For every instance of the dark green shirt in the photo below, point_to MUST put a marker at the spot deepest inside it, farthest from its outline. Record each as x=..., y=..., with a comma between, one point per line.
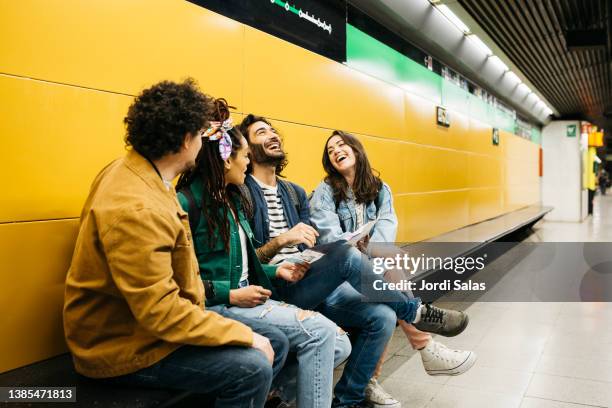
x=218, y=267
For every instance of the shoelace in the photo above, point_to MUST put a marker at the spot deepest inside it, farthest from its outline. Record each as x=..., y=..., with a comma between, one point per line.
x=433, y=314
x=379, y=391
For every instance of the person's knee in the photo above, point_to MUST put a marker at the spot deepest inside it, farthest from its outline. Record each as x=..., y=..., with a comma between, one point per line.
x=381, y=318
x=317, y=325
x=255, y=370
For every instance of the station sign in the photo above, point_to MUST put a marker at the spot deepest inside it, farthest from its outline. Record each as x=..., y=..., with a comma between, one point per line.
x=317, y=25
x=442, y=116
x=495, y=137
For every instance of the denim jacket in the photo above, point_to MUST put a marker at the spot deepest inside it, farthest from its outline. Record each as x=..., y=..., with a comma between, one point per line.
x=260, y=222
x=218, y=267
x=331, y=222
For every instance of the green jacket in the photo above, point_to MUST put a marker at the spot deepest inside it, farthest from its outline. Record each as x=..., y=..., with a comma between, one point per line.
x=218, y=268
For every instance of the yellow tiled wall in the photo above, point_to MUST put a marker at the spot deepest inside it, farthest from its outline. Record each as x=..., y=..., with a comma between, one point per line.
x=69, y=69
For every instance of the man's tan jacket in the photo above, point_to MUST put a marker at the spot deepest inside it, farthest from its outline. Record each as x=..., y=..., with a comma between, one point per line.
x=133, y=291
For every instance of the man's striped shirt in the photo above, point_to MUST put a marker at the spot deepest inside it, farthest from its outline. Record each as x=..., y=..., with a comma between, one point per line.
x=278, y=222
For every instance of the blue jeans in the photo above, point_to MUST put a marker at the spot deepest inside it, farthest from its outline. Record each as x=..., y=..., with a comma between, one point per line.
x=316, y=340
x=334, y=285
x=376, y=323
x=236, y=376
x=342, y=263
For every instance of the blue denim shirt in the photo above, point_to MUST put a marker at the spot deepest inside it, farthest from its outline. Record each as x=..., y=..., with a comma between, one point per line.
x=260, y=222
x=331, y=222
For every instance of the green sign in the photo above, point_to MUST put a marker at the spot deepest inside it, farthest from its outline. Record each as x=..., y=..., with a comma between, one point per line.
x=571, y=130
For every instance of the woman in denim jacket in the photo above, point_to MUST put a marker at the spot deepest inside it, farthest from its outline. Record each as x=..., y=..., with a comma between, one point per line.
x=350, y=196
x=236, y=282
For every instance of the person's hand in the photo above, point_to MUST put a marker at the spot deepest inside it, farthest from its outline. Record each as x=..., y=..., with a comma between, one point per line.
x=362, y=244
x=249, y=296
x=292, y=272
x=300, y=234
x=262, y=344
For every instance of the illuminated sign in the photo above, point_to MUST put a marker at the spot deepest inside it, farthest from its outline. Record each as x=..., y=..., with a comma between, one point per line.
x=303, y=14
x=317, y=25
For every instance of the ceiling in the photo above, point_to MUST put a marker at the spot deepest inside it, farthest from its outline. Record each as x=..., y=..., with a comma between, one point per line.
x=563, y=47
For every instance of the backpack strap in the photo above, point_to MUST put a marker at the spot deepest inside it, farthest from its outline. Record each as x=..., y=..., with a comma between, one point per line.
x=292, y=194
x=194, y=212
x=246, y=194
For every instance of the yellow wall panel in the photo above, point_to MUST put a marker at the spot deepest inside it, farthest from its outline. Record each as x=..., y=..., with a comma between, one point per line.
x=480, y=139
x=485, y=171
x=286, y=82
x=304, y=147
x=56, y=138
x=459, y=131
x=427, y=215
x=485, y=203
x=34, y=259
x=70, y=67
x=122, y=46
x=421, y=124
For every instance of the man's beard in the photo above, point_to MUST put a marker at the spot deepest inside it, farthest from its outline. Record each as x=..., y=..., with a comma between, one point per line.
x=259, y=156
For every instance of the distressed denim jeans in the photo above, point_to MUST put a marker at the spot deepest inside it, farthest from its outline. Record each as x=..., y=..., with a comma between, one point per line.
x=318, y=342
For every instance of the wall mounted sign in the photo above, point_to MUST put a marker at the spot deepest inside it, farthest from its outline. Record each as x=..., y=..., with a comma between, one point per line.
x=317, y=25
x=442, y=116
x=495, y=137
x=571, y=131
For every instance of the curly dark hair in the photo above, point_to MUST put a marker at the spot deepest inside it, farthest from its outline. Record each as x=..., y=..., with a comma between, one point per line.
x=367, y=182
x=161, y=116
x=210, y=171
x=244, y=129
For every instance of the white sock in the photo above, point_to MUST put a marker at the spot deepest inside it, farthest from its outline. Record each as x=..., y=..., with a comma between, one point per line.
x=417, y=318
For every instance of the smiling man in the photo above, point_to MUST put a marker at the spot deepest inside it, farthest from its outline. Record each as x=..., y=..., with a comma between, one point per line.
x=333, y=284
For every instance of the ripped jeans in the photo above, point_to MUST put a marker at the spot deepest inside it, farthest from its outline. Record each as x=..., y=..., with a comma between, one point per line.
x=319, y=343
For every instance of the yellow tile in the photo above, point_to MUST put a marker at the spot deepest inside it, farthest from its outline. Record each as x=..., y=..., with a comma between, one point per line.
x=485, y=203
x=34, y=259
x=122, y=46
x=423, y=216
x=56, y=139
x=284, y=81
x=304, y=146
x=485, y=171
x=421, y=124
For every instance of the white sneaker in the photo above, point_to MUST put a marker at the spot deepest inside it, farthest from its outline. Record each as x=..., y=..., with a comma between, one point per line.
x=377, y=397
x=440, y=360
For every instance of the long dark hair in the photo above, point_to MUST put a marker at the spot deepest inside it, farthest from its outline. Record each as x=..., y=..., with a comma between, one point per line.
x=366, y=184
x=210, y=171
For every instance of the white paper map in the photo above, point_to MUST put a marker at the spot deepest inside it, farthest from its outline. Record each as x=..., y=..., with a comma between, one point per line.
x=357, y=235
x=308, y=256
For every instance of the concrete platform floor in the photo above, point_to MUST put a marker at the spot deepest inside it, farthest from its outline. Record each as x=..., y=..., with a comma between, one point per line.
x=530, y=355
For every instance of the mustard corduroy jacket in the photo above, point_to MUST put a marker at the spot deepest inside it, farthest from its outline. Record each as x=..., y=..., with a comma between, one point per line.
x=133, y=292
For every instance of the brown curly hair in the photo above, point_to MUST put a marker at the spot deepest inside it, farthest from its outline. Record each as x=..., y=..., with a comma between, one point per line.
x=161, y=116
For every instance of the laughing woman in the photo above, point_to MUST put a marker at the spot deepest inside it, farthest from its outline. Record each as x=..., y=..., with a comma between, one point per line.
x=236, y=282
x=350, y=196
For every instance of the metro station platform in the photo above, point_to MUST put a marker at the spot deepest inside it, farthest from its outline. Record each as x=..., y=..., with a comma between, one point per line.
x=530, y=354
